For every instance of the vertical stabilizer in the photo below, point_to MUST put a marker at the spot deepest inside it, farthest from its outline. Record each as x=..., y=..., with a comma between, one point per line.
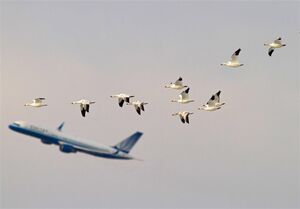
x=127, y=144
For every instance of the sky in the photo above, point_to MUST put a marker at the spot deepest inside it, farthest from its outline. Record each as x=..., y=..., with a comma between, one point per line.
x=245, y=155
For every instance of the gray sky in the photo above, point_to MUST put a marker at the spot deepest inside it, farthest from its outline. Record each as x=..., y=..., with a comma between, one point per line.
x=245, y=155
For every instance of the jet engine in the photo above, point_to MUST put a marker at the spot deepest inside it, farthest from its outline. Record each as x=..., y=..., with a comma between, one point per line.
x=45, y=141
x=66, y=148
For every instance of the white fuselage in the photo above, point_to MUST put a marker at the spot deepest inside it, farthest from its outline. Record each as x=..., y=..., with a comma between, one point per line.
x=74, y=144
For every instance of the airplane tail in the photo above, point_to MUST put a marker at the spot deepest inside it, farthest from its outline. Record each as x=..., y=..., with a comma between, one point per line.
x=127, y=144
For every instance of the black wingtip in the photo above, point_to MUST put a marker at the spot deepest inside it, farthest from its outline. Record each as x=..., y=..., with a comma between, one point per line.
x=238, y=52
x=270, y=52
x=187, y=90
x=218, y=93
x=180, y=78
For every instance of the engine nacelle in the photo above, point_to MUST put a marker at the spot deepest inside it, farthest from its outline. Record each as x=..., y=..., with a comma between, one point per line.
x=44, y=141
x=66, y=148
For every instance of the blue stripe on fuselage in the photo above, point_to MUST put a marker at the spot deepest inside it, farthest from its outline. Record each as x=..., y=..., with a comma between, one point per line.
x=55, y=140
x=33, y=133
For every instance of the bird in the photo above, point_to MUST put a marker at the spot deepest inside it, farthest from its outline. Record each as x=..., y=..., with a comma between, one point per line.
x=37, y=102
x=138, y=105
x=213, y=103
x=121, y=98
x=84, y=105
x=234, y=60
x=183, y=97
x=275, y=44
x=177, y=85
x=184, y=116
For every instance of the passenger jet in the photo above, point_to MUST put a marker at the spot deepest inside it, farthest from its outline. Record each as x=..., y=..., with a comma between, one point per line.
x=69, y=144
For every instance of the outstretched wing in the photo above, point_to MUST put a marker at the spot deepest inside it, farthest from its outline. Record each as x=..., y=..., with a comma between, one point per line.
x=178, y=82
x=235, y=55
x=38, y=100
x=182, y=118
x=137, y=108
x=270, y=52
x=278, y=40
x=187, y=118
x=82, y=110
x=121, y=102
x=217, y=96
x=212, y=101
x=185, y=94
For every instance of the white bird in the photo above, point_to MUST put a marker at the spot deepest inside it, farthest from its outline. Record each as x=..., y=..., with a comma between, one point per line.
x=213, y=104
x=138, y=105
x=234, y=60
x=177, y=85
x=122, y=98
x=84, y=105
x=184, y=116
x=183, y=97
x=275, y=44
x=37, y=102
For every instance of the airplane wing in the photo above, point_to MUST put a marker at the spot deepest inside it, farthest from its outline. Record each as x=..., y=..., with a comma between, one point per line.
x=70, y=148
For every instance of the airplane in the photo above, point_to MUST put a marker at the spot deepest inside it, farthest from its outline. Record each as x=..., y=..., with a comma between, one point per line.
x=69, y=144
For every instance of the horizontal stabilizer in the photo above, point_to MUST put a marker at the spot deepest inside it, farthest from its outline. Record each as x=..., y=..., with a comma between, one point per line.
x=59, y=128
x=127, y=144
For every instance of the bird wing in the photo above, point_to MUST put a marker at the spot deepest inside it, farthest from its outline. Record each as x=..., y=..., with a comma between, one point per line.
x=137, y=108
x=38, y=100
x=142, y=107
x=87, y=107
x=120, y=101
x=217, y=96
x=185, y=94
x=82, y=110
x=271, y=50
x=278, y=40
x=187, y=118
x=212, y=101
x=127, y=99
x=235, y=55
x=181, y=118
x=178, y=82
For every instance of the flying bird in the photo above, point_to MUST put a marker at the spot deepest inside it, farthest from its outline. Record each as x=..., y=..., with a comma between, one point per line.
x=138, y=105
x=122, y=98
x=183, y=97
x=213, y=103
x=234, y=60
x=275, y=44
x=177, y=85
x=84, y=105
x=184, y=116
x=37, y=102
